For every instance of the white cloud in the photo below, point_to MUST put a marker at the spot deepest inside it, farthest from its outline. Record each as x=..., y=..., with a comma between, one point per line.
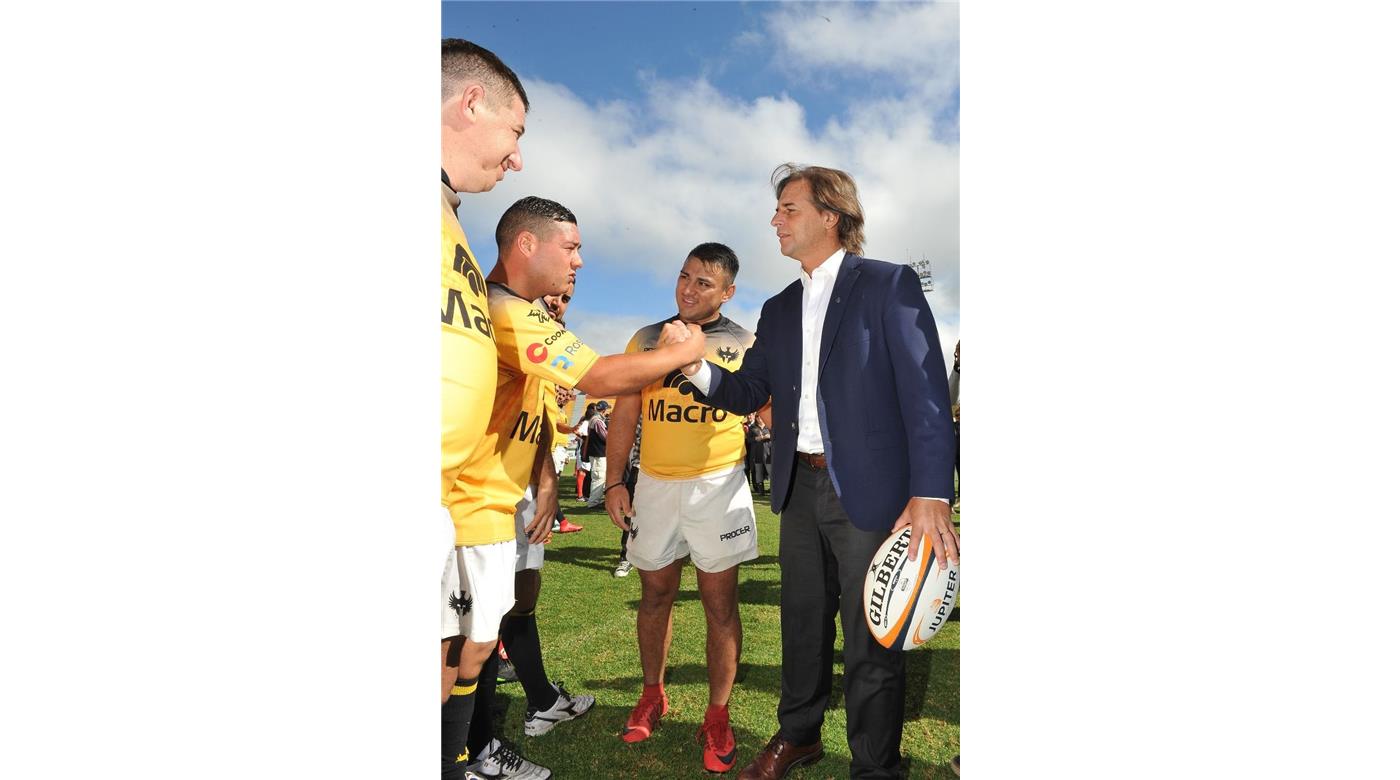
x=914, y=42
x=606, y=334
x=686, y=163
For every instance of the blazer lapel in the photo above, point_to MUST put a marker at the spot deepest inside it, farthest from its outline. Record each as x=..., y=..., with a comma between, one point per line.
x=790, y=334
x=836, y=307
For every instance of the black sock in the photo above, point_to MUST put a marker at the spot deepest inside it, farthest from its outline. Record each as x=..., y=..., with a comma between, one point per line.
x=456, y=721
x=483, y=726
x=521, y=635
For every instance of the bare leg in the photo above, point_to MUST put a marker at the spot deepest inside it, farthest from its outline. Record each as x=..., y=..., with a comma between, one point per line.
x=654, y=619
x=724, y=634
x=474, y=655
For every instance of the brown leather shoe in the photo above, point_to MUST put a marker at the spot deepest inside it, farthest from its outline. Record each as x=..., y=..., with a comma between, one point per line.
x=779, y=757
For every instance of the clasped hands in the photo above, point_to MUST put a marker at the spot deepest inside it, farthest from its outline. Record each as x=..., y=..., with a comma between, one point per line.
x=677, y=332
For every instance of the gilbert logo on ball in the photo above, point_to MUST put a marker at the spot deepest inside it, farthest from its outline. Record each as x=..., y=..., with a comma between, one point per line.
x=908, y=601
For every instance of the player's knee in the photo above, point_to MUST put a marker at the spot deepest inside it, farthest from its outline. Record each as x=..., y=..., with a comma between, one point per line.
x=721, y=611
x=452, y=651
x=656, y=596
x=527, y=592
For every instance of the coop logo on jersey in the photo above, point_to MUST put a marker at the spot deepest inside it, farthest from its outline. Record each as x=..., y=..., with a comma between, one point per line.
x=536, y=353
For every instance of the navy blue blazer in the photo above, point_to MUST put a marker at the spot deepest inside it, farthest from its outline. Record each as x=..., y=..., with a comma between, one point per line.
x=882, y=392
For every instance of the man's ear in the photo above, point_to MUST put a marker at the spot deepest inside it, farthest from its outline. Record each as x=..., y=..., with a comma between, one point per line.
x=729, y=293
x=473, y=99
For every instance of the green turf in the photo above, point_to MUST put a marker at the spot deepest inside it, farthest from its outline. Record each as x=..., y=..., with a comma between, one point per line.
x=587, y=622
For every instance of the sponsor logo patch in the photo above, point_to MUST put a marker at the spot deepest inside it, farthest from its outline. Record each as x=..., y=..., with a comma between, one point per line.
x=727, y=355
x=536, y=352
x=460, y=602
x=735, y=532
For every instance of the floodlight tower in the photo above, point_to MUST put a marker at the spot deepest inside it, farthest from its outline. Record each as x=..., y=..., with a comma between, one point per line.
x=921, y=267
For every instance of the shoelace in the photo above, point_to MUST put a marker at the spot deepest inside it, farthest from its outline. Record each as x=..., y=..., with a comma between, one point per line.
x=508, y=758
x=712, y=732
x=645, y=707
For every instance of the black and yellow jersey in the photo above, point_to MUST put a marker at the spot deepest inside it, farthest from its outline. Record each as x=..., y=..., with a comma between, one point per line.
x=681, y=437
x=532, y=352
x=468, y=352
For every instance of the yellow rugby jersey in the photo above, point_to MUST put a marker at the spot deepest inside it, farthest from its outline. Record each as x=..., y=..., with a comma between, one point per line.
x=531, y=352
x=468, y=352
x=681, y=437
x=554, y=414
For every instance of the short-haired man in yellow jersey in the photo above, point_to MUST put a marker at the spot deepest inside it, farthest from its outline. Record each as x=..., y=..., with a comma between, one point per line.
x=483, y=117
x=538, y=244
x=692, y=498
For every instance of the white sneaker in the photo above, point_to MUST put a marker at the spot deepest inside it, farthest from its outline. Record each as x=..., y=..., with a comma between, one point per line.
x=499, y=761
x=566, y=707
x=623, y=567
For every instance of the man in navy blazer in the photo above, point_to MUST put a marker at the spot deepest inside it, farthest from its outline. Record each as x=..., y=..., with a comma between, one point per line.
x=862, y=445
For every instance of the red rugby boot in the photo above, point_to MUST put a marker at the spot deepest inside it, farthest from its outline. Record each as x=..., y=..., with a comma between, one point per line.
x=644, y=716
x=720, y=751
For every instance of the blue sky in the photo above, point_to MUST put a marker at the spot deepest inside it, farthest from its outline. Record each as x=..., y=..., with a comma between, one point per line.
x=658, y=124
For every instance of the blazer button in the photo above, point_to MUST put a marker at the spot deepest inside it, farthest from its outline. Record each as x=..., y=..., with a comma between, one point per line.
x=794, y=426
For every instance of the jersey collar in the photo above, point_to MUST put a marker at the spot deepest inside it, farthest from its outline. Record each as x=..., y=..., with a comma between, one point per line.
x=719, y=323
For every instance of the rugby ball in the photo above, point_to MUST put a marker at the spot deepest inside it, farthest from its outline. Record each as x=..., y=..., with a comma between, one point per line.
x=908, y=601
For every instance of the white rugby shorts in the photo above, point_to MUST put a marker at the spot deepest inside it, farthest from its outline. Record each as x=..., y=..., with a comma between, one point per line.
x=709, y=518
x=478, y=589
x=527, y=556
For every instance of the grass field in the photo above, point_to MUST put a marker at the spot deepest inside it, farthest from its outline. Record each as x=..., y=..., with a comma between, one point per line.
x=587, y=622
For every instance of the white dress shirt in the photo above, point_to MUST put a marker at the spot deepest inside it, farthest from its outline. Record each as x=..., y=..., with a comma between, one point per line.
x=816, y=296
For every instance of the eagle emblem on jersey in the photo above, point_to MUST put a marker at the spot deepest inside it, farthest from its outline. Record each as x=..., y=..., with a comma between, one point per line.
x=727, y=355
x=461, y=603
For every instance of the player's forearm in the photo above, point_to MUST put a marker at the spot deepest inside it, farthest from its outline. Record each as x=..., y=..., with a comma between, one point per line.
x=629, y=373
x=544, y=464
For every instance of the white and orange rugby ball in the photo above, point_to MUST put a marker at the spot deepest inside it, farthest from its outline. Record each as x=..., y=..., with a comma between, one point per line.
x=908, y=601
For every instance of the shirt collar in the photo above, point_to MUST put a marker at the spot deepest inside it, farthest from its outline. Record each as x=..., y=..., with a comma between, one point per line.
x=449, y=193
x=719, y=323
x=826, y=271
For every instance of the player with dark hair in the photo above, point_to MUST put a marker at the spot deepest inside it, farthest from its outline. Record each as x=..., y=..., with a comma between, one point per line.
x=692, y=499
x=538, y=257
